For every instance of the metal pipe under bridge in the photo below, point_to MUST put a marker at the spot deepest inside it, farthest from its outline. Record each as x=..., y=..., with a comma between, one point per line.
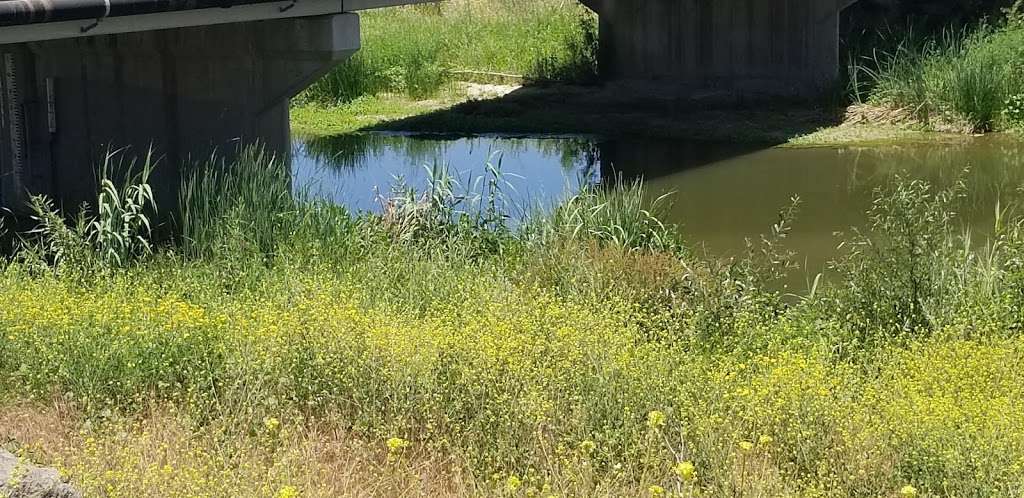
x=189, y=77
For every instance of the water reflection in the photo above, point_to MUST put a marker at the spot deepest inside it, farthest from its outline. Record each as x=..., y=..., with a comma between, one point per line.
x=724, y=193
x=354, y=170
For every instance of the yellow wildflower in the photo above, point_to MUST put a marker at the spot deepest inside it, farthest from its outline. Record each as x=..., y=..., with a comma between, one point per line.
x=396, y=444
x=271, y=424
x=656, y=491
x=908, y=491
x=656, y=419
x=513, y=483
x=686, y=471
x=288, y=492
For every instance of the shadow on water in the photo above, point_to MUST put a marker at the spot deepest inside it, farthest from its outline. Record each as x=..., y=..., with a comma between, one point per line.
x=724, y=193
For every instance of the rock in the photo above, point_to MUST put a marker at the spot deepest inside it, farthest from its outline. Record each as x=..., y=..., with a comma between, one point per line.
x=18, y=479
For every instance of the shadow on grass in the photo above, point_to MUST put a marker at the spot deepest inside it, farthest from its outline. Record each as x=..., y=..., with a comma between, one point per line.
x=646, y=131
x=622, y=110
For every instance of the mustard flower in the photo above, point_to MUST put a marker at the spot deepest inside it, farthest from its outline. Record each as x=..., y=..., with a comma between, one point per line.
x=396, y=444
x=656, y=419
x=686, y=471
x=513, y=483
x=288, y=492
x=271, y=424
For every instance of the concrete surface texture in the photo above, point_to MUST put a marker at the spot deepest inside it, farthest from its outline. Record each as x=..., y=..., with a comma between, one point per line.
x=185, y=92
x=751, y=47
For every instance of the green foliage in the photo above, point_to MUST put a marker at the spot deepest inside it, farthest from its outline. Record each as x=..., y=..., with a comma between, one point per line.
x=620, y=214
x=1013, y=111
x=116, y=235
x=575, y=60
x=891, y=278
x=120, y=232
x=1015, y=13
x=966, y=79
x=243, y=206
x=419, y=50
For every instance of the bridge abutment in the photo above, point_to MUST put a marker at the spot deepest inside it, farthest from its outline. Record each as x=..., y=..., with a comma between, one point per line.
x=748, y=48
x=185, y=92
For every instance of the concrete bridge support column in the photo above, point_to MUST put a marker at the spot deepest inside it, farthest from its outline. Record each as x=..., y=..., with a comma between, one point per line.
x=186, y=92
x=744, y=47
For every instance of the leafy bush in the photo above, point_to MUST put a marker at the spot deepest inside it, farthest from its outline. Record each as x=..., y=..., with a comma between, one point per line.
x=892, y=274
x=1013, y=110
x=575, y=61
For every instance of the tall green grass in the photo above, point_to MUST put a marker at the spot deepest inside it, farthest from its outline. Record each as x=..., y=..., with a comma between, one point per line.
x=965, y=79
x=419, y=50
x=247, y=202
x=621, y=214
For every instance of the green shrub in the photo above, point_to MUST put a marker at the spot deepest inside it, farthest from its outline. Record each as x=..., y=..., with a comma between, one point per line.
x=574, y=61
x=892, y=279
x=965, y=78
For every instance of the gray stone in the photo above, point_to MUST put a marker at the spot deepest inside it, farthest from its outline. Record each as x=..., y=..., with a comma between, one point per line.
x=19, y=479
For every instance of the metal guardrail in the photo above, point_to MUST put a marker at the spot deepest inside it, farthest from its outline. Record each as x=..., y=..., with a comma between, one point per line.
x=20, y=12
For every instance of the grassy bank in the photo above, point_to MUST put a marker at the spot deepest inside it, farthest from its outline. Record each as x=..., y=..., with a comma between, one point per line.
x=289, y=349
x=419, y=51
x=970, y=80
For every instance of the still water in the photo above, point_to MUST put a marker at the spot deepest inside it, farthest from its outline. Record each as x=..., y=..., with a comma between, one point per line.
x=723, y=194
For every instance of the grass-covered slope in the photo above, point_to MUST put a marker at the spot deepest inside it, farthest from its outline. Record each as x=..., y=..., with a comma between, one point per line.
x=288, y=349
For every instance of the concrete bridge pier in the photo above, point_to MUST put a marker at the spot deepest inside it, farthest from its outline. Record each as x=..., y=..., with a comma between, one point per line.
x=187, y=92
x=746, y=48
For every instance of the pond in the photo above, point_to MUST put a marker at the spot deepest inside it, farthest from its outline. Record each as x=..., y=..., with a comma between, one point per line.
x=722, y=194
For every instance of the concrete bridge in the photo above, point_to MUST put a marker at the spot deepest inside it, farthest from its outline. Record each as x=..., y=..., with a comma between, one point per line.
x=772, y=48
x=189, y=77
x=193, y=76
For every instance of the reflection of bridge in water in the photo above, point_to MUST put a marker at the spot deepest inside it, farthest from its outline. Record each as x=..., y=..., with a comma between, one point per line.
x=191, y=77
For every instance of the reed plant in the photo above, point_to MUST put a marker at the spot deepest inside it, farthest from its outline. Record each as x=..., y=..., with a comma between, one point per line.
x=621, y=213
x=248, y=201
